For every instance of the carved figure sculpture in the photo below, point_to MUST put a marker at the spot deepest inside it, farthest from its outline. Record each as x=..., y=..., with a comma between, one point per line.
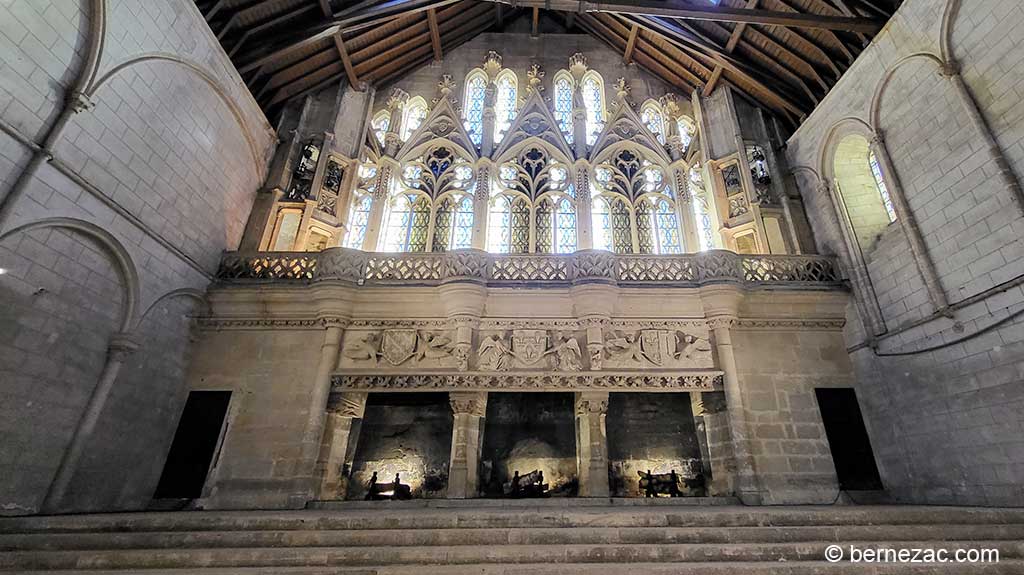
x=494, y=354
x=460, y=352
x=364, y=347
x=596, y=355
x=567, y=354
x=623, y=347
x=692, y=347
x=432, y=345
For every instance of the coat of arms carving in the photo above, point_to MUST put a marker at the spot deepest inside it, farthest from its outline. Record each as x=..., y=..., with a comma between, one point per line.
x=398, y=345
x=529, y=345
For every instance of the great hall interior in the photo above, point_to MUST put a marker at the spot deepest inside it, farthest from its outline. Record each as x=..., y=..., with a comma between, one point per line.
x=471, y=286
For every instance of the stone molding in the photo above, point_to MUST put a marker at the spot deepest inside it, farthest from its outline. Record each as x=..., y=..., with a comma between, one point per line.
x=702, y=380
x=585, y=266
x=273, y=323
x=468, y=403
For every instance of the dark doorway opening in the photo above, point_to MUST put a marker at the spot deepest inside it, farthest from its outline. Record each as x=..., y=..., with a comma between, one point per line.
x=194, y=444
x=848, y=439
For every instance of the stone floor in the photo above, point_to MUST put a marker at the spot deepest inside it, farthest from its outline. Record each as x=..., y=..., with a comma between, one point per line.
x=537, y=537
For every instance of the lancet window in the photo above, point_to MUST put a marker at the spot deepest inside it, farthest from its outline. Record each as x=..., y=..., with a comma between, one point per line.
x=686, y=129
x=445, y=179
x=415, y=113
x=532, y=196
x=563, y=86
x=380, y=124
x=473, y=110
x=593, y=99
x=652, y=117
x=505, y=103
x=701, y=209
x=636, y=202
x=883, y=191
x=408, y=223
x=362, y=203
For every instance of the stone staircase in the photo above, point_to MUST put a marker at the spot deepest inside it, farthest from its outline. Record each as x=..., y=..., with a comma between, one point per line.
x=511, y=537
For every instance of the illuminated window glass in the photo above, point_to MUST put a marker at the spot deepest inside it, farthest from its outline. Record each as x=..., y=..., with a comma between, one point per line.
x=545, y=229
x=462, y=224
x=666, y=227
x=520, y=241
x=504, y=104
x=408, y=222
x=443, y=224
x=565, y=227
x=651, y=117
x=380, y=124
x=602, y=224
x=358, y=219
x=563, y=106
x=876, y=170
x=499, y=225
x=593, y=100
x=685, y=127
x=476, y=88
x=415, y=113
x=644, y=230
x=701, y=210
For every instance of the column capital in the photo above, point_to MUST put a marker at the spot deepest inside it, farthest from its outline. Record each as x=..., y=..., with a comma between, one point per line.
x=80, y=102
x=349, y=404
x=468, y=402
x=591, y=403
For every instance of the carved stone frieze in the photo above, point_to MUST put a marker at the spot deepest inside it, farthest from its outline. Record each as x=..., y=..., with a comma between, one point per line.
x=656, y=348
x=397, y=347
x=694, y=381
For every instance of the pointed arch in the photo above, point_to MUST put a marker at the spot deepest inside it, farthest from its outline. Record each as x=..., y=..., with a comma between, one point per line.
x=592, y=87
x=506, y=101
x=563, y=86
x=380, y=124
x=687, y=129
x=473, y=104
x=653, y=117
x=413, y=115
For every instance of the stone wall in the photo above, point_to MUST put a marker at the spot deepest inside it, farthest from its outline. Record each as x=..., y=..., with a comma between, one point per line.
x=942, y=395
x=118, y=233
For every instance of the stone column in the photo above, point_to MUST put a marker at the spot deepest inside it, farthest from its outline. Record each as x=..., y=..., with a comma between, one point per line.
x=710, y=406
x=584, y=218
x=118, y=349
x=684, y=208
x=385, y=171
x=312, y=433
x=340, y=435
x=747, y=488
x=577, y=68
x=481, y=197
x=592, y=443
x=469, y=409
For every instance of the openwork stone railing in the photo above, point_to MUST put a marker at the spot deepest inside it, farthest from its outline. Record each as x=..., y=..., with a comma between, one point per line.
x=366, y=268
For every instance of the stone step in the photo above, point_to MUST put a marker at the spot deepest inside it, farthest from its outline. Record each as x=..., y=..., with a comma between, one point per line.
x=196, y=558
x=1005, y=567
x=386, y=518
x=503, y=536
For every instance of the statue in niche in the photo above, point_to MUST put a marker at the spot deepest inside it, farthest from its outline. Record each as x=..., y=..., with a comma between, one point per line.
x=364, y=347
x=567, y=353
x=494, y=354
x=692, y=347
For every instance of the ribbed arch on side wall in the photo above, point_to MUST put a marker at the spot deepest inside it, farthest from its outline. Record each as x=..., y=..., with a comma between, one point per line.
x=206, y=77
x=876, y=100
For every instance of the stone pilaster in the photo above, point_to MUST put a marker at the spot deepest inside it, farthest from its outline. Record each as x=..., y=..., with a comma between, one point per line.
x=481, y=198
x=592, y=443
x=468, y=409
x=584, y=217
x=341, y=432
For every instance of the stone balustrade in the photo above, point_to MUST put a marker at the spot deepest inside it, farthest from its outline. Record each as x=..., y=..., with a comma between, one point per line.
x=373, y=268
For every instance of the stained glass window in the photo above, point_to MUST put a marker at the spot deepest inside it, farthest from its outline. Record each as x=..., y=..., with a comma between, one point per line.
x=593, y=100
x=685, y=126
x=408, y=222
x=504, y=104
x=652, y=118
x=520, y=241
x=415, y=113
x=666, y=227
x=563, y=106
x=602, y=224
x=380, y=124
x=499, y=225
x=358, y=219
x=565, y=227
x=545, y=228
x=462, y=225
x=876, y=170
x=442, y=225
x=701, y=210
x=644, y=231
x=476, y=88
x=622, y=235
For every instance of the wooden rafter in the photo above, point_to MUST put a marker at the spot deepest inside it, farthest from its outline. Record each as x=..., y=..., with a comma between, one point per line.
x=688, y=11
x=346, y=61
x=435, y=34
x=627, y=56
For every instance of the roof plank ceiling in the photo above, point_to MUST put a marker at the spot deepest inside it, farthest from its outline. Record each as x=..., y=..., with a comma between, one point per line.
x=783, y=54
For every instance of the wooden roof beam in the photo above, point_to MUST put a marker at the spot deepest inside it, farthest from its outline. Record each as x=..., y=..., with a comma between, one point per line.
x=627, y=56
x=346, y=61
x=435, y=34
x=672, y=9
x=603, y=32
x=535, y=22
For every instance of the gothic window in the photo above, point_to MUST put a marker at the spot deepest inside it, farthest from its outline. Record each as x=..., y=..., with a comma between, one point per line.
x=653, y=119
x=555, y=226
x=358, y=219
x=415, y=113
x=508, y=225
x=563, y=104
x=520, y=240
x=657, y=226
x=408, y=223
x=473, y=111
x=602, y=224
x=545, y=228
x=701, y=210
x=612, y=230
x=686, y=131
x=380, y=124
x=453, y=223
x=504, y=103
x=593, y=100
x=876, y=171
x=462, y=224
x=565, y=227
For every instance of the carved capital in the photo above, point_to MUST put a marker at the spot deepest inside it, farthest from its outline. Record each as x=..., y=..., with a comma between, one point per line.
x=80, y=102
x=577, y=66
x=721, y=322
x=397, y=99
x=590, y=403
x=468, y=403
